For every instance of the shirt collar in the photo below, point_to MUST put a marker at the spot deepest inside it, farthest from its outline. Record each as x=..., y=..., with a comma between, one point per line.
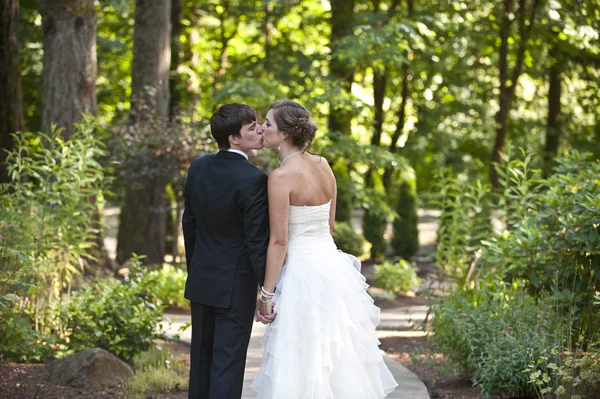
x=238, y=152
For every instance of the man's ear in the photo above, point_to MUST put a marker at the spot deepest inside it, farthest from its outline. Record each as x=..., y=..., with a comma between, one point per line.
x=233, y=139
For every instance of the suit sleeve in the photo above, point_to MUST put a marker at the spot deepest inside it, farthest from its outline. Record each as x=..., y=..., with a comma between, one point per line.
x=255, y=214
x=189, y=221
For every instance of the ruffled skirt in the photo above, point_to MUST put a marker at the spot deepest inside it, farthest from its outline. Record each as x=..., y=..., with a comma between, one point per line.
x=322, y=343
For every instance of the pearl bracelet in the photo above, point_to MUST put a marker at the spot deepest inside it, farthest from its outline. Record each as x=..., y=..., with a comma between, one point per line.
x=266, y=293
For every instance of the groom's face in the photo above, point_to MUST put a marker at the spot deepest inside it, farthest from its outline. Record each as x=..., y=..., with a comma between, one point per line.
x=250, y=137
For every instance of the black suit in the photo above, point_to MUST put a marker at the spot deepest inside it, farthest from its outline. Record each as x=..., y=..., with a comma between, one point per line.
x=226, y=233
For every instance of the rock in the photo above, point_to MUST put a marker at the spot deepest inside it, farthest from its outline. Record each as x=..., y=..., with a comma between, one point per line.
x=92, y=368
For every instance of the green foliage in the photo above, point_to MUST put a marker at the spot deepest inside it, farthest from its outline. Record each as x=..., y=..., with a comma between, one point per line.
x=464, y=222
x=120, y=317
x=47, y=215
x=348, y=240
x=170, y=286
x=558, y=234
x=398, y=278
x=344, y=199
x=492, y=331
x=375, y=223
x=405, y=242
x=19, y=342
x=156, y=370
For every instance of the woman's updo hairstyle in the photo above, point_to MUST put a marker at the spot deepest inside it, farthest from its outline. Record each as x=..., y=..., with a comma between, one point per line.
x=295, y=120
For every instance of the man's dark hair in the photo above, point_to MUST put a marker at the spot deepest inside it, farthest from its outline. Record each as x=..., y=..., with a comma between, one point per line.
x=228, y=120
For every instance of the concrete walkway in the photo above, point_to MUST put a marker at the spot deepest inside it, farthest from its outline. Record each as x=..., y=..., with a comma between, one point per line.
x=394, y=322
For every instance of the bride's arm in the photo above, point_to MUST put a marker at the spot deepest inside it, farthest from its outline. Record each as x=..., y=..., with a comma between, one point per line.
x=279, y=206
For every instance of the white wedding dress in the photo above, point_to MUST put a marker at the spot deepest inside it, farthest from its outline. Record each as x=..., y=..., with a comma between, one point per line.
x=322, y=344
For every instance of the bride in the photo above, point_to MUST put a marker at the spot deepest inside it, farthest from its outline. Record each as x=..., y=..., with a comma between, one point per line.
x=322, y=342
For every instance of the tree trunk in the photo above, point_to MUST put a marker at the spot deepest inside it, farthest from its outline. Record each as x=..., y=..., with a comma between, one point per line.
x=142, y=223
x=342, y=23
x=69, y=76
x=69, y=79
x=553, y=127
x=175, y=84
x=11, y=97
x=176, y=231
x=379, y=85
x=142, y=220
x=401, y=117
x=507, y=92
x=151, y=57
x=405, y=94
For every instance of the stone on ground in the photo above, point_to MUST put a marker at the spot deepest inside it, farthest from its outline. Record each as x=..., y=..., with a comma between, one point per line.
x=92, y=368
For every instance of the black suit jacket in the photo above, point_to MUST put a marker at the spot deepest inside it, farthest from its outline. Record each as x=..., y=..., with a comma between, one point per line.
x=226, y=230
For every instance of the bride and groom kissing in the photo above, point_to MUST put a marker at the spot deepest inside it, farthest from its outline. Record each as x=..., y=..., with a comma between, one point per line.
x=243, y=230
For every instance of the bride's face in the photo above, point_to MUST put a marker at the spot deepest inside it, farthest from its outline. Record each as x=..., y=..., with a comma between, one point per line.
x=271, y=134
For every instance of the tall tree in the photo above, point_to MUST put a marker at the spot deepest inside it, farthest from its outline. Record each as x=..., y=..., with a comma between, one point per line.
x=69, y=75
x=69, y=78
x=142, y=220
x=553, y=125
x=342, y=23
x=175, y=82
x=509, y=78
x=11, y=97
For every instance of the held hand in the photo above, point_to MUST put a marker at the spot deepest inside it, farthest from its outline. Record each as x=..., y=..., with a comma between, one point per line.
x=265, y=313
x=266, y=308
x=265, y=319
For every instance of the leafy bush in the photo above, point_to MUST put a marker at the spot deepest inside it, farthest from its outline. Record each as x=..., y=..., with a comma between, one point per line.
x=170, y=286
x=405, y=242
x=492, y=332
x=19, y=342
x=398, y=278
x=558, y=236
x=464, y=222
x=348, y=240
x=47, y=215
x=120, y=317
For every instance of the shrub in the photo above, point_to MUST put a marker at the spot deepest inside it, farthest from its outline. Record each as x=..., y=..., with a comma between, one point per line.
x=170, y=286
x=374, y=225
x=19, y=342
x=348, y=240
x=398, y=278
x=464, y=222
x=120, y=317
x=492, y=332
x=405, y=242
x=344, y=199
x=47, y=214
x=559, y=235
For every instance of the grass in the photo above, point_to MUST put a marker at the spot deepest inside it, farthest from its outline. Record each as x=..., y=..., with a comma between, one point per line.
x=157, y=371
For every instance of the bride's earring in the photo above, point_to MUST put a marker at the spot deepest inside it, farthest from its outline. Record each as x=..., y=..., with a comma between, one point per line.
x=277, y=152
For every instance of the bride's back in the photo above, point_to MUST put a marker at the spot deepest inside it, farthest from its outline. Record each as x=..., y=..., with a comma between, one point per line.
x=313, y=180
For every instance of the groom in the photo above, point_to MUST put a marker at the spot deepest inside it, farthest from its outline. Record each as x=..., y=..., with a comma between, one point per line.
x=226, y=233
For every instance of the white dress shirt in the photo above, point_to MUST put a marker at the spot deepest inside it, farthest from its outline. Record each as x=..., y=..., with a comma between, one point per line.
x=238, y=152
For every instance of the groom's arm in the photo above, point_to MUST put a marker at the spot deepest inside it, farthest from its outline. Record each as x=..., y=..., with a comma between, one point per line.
x=255, y=214
x=188, y=222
